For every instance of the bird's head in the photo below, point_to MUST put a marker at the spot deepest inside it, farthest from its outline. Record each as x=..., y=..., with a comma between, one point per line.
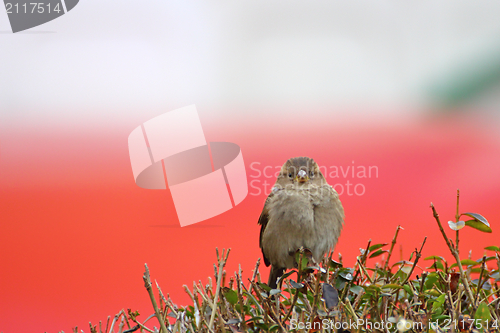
x=302, y=170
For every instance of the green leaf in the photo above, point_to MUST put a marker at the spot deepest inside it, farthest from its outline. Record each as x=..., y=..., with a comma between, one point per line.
x=310, y=269
x=466, y=262
x=492, y=248
x=334, y=264
x=408, y=290
x=436, y=265
x=439, y=302
x=302, y=257
x=402, y=262
x=231, y=296
x=373, y=288
x=376, y=246
x=486, y=285
x=255, y=319
x=478, y=222
x=356, y=289
x=433, y=292
x=274, y=292
x=440, y=317
x=477, y=217
x=296, y=285
x=431, y=281
x=438, y=262
x=264, y=286
x=287, y=274
x=190, y=310
x=478, y=225
x=322, y=313
x=340, y=283
x=262, y=326
x=406, y=269
x=346, y=274
x=400, y=275
x=330, y=295
x=480, y=260
x=483, y=313
x=437, y=312
x=273, y=328
x=437, y=258
x=377, y=253
x=392, y=286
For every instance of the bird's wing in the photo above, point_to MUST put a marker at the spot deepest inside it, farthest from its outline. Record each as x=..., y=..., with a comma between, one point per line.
x=263, y=219
x=328, y=215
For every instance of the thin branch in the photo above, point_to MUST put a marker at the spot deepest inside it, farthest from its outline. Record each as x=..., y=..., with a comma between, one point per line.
x=417, y=256
x=255, y=271
x=222, y=262
x=147, y=283
x=457, y=258
x=457, y=217
x=392, y=247
x=480, y=282
x=363, y=269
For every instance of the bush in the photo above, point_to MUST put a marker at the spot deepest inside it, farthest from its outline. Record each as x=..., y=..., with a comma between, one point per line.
x=328, y=297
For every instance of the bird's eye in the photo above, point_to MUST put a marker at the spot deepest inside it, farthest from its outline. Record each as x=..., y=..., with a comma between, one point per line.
x=311, y=174
x=290, y=175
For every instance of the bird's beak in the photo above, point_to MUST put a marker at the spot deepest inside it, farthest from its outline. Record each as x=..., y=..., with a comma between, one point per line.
x=302, y=176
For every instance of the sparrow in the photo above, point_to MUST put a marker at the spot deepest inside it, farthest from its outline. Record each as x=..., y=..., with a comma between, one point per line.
x=302, y=210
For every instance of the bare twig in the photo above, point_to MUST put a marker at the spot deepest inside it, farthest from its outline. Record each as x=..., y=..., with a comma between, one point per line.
x=480, y=282
x=417, y=256
x=363, y=269
x=315, y=299
x=297, y=291
x=392, y=247
x=147, y=283
x=222, y=263
x=255, y=271
x=457, y=258
x=457, y=217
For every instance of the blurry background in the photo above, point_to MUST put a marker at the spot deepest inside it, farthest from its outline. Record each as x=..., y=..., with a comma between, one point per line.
x=411, y=88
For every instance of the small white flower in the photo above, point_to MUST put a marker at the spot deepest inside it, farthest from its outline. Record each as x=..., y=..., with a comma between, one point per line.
x=456, y=226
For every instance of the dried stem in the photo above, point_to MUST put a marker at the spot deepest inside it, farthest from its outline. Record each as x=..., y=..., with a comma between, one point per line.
x=457, y=258
x=417, y=256
x=147, y=283
x=255, y=271
x=316, y=296
x=480, y=282
x=222, y=263
x=390, y=251
x=363, y=269
x=297, y=291
x=457, y=217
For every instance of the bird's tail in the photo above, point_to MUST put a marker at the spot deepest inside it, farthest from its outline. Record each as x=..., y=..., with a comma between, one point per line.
x=275, y=274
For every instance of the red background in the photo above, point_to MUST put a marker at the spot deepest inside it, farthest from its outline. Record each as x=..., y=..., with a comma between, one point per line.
x=76, y=230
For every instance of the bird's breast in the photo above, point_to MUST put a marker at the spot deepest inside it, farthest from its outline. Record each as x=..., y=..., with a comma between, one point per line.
x=293, y=224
